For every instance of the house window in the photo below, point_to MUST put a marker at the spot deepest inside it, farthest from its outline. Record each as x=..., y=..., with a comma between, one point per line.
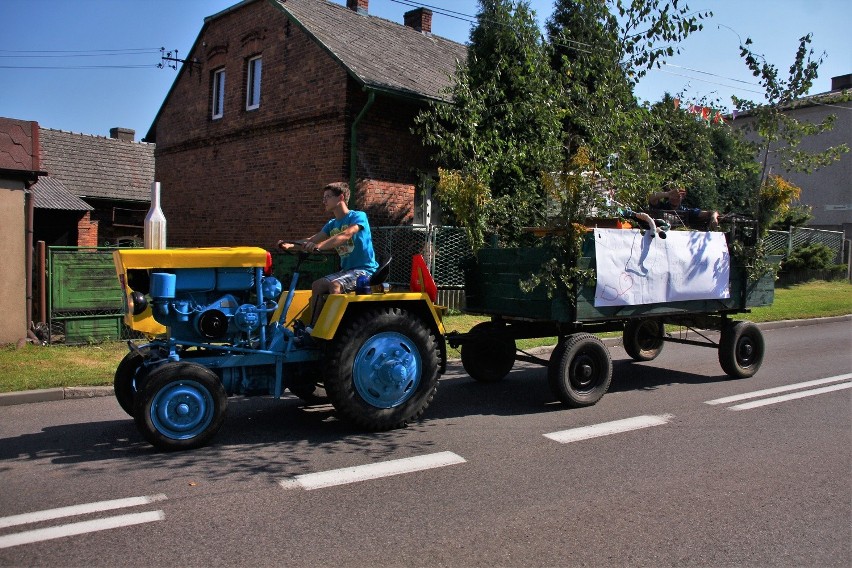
x=255, y=65
x=218, y=93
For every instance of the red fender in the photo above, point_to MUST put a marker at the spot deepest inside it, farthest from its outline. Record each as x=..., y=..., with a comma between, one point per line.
x=421, y=278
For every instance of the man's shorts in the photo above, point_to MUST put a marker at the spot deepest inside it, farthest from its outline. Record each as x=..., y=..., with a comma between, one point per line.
x=347, y=278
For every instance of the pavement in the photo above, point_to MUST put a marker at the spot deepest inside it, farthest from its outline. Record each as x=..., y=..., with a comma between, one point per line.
x=70, y=393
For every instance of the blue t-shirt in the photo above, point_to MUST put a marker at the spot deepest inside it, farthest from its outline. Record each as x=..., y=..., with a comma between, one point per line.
x=357, y=252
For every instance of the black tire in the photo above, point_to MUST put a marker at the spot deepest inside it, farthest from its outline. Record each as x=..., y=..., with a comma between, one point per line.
x=382, y=369
x=580, y=370
x=741, y=349
x=127, y=377
x=643, y=339
x=180, y=406
x=489, y=354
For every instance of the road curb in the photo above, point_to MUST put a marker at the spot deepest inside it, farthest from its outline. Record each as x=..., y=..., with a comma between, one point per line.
x=50, y=395
x=69, y=393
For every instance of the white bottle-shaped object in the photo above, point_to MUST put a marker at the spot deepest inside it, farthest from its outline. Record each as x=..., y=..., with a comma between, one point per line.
x=155, y=221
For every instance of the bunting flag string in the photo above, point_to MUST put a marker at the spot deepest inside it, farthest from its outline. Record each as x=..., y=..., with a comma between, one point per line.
x=706, y=114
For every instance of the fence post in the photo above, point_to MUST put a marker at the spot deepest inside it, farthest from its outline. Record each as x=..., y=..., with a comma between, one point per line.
x=789, y=240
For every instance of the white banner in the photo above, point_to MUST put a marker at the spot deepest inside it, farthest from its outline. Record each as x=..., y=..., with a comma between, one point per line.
x=687, y=265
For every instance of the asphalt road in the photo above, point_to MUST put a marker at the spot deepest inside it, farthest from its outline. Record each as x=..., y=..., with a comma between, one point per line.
x=757, y=481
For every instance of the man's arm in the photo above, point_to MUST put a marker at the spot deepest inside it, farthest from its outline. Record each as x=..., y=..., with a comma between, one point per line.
x=340, y=238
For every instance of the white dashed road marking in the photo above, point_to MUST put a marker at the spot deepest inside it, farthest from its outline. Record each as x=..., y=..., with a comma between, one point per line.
x=786, y=397
x=355, y=474
x=49, y=514
x=776, y=390
x=71, y=529
x=608, y=428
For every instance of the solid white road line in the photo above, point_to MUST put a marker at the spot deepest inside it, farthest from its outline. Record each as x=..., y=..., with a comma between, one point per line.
x=607, y=428
x=345, y=475
x=38, y=535
x=48, y=514
x=776, y=390
x=786, y=397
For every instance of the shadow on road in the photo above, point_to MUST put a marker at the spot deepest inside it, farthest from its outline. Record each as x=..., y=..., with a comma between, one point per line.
x=263, y=435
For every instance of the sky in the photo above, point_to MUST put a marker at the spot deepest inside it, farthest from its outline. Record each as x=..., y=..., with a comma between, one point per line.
x=90, y=65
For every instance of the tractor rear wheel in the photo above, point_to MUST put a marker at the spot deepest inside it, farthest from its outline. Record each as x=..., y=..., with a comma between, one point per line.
x=382, y=369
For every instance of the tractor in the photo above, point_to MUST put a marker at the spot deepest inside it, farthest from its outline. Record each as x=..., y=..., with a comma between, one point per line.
x=222, y=325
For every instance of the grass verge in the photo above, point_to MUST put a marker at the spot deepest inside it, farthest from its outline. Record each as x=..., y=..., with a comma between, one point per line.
x=58, y=366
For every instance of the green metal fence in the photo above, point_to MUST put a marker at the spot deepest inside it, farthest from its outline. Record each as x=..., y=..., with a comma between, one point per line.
x=85, y=300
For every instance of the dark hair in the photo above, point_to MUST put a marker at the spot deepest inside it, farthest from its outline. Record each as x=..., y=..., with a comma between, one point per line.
x=338, y=188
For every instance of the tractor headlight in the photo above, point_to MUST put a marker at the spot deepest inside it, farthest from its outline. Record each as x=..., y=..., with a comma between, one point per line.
x=136, y=303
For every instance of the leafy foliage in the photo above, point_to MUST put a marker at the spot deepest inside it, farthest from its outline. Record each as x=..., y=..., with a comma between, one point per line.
x=813, y=256
x=503, y=128
x=777, y=130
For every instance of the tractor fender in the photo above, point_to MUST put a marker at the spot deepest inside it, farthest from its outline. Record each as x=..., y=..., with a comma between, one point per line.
x=342, y=306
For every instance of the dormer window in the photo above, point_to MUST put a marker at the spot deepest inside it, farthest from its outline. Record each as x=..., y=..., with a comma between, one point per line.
x=255, y=65
x=218, y=93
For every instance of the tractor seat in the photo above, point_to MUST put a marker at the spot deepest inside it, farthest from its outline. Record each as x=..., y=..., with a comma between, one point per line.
x=381, y=273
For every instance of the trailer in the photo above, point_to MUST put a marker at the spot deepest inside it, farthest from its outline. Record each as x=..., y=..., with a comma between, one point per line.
x=643, y=282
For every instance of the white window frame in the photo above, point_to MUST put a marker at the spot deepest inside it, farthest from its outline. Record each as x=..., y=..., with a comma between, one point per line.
x=253, y=82
x=218, y=93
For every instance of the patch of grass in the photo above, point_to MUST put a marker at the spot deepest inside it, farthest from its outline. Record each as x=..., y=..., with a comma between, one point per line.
x=58, y=366
x=35, y=367
x=805, y=301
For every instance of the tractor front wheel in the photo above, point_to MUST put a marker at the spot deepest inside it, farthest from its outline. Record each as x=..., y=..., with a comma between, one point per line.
x=180, y=406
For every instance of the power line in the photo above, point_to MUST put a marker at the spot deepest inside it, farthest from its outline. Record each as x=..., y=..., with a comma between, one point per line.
x=148, y=66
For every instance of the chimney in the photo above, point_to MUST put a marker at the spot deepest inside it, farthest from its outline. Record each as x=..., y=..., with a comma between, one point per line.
x=359, y=6
x=126, y=134
x=841, y=82
x=419, y=19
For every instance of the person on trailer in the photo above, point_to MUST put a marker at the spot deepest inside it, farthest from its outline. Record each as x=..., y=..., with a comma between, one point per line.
x=672, y=201
x=347, y=232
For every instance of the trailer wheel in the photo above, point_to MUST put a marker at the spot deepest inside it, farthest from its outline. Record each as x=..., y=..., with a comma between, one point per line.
x=128, y=377
x=489, y=354
x=382, y=369
x=741, y=349
x=580, y=370
x=643, y=339
x=180, y=406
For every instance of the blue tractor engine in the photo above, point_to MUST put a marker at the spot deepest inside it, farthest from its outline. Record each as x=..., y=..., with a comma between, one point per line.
x=213, y=305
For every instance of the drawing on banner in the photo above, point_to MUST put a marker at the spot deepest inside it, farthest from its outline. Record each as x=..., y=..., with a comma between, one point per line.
x=634, y=269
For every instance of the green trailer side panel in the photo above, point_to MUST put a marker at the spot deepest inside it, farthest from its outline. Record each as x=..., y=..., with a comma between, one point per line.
x=493, y=288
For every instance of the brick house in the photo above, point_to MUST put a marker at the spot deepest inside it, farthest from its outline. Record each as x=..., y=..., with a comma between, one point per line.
x=97, y=190
x=279, y=97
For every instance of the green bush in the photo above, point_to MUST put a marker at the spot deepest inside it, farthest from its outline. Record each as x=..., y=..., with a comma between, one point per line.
x=814, y=256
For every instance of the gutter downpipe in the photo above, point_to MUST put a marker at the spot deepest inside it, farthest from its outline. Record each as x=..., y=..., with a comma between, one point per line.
x=353, y=145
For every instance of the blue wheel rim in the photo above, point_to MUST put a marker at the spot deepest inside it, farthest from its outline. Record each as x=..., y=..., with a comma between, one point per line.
x=387, y=370
x=182, y=410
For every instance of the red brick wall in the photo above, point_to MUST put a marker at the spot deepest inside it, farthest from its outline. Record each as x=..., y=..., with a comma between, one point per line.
x=87, y=231
x=253, y=177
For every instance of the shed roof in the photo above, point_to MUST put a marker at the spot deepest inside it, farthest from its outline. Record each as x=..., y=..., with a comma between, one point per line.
x=50, y=193
x=98, y=167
